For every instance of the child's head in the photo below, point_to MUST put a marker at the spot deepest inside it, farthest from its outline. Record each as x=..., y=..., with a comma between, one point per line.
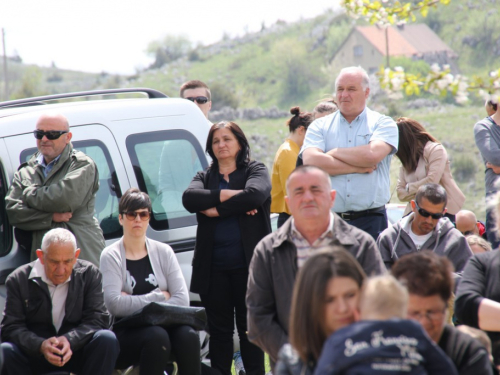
x=383, y=297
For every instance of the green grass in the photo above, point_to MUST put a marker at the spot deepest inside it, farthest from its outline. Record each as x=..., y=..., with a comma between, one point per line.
x=266, y=363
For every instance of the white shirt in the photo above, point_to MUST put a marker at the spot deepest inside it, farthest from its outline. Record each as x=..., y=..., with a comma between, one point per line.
x=419, y=240
x=58, y=293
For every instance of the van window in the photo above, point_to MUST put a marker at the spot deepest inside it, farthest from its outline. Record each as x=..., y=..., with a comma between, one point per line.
x=164, y=163
x=5, y=232
x=109, y=193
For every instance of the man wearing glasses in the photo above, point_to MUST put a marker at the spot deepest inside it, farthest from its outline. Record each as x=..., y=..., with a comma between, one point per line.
x=56, y=188
x=199, y=93
x=425, y=228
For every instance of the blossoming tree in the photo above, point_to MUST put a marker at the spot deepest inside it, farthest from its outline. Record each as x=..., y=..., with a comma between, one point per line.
x=396, y=82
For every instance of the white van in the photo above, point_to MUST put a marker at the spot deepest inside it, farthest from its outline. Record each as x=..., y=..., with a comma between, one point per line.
x=128, y=139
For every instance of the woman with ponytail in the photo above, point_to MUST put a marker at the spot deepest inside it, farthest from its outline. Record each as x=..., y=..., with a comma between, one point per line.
x=285, y=160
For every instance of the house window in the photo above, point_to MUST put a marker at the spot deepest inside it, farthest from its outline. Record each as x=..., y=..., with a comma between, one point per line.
x=358, y=51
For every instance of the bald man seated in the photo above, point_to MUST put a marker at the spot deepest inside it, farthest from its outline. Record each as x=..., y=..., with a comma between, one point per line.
x=467, y=224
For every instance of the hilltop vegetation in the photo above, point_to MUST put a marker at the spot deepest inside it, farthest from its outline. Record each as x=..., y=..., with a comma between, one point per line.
x=472, y=29
x=280, y=65
x=289, y=64
x=31, y=80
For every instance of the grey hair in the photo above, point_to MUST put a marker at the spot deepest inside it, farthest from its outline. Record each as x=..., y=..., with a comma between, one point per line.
x=365, y=79
x=59, y=236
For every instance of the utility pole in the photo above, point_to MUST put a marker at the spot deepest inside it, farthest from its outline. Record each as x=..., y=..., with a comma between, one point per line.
x=6, y=78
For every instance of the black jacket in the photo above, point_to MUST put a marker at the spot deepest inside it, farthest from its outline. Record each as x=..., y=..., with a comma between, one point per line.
x=27, y=320
x=289, y=363
x=468, y=355
x=479, y=280
x=204, y=193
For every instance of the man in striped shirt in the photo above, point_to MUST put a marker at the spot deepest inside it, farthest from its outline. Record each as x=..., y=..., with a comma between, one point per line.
x=278, y=256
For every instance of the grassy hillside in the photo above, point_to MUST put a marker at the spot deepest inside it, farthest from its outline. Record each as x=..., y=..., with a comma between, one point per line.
x=31, y=80
x=279, y=66
x=288, y=64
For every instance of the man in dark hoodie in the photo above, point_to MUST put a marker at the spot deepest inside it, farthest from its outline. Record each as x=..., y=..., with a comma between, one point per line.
x=425, y=228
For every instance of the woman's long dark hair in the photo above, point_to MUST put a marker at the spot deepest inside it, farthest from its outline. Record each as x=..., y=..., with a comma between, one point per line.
x=412, y=140
x=243, y=157
x=307, y=318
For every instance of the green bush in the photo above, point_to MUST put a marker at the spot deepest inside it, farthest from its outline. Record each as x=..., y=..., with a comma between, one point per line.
x=223, y=96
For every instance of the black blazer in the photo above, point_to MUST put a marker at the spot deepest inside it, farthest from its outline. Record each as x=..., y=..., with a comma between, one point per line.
x=204, y=193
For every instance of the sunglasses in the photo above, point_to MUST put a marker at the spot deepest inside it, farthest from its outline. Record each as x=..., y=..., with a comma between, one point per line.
x=51, y=134
x=198, y=99
x=425, y=213
x=131, y=215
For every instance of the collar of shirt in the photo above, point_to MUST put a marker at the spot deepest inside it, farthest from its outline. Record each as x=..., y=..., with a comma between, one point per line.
x=58, y=294
x=38, y=270
x=327, y=234
x=358, y=119
x=47, y=167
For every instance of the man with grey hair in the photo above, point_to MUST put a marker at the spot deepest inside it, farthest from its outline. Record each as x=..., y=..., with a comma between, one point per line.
x=355, y=146
x=54, y=317
x=279, y=255
x=56, y=188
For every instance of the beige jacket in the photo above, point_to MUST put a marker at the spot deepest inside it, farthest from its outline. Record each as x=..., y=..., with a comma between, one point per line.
x=433, y=167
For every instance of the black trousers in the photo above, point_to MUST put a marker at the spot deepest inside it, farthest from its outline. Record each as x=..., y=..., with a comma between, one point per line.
x=98, y=356
x=225, y=298
x=151, y=347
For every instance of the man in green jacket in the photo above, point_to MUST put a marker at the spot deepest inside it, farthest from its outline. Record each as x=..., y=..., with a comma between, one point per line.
x=56, y=188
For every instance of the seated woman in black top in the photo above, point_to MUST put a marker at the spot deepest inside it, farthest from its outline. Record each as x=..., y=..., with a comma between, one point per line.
x=137, y=271
x=232, y=201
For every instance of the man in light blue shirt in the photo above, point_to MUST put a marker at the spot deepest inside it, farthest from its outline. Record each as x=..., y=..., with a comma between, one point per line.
x=355, y=146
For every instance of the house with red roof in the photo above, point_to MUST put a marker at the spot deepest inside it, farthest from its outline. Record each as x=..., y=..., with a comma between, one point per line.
x=369, y=46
